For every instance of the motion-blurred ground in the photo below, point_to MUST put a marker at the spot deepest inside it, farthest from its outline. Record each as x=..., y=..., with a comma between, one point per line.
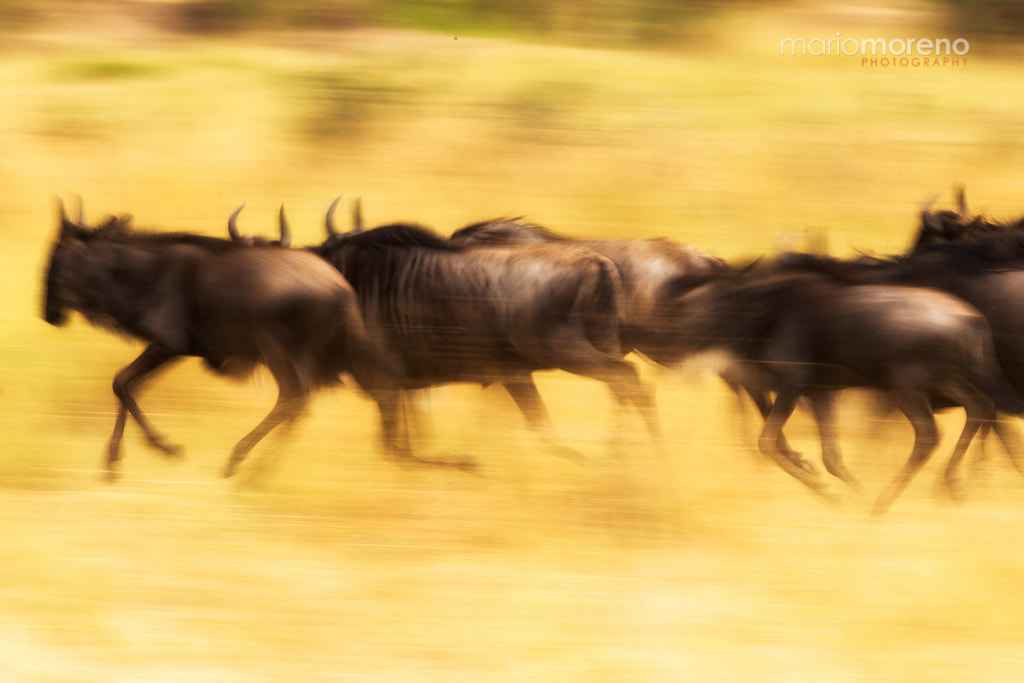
x=693, y=561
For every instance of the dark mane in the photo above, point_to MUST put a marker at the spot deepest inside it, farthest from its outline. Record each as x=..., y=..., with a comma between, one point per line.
x=967, y=259
x=847, y=271
x=503, y=229
x=114, y=228
x=399, y=235
x=121, y=230
x=976, y=225
x=983, y=252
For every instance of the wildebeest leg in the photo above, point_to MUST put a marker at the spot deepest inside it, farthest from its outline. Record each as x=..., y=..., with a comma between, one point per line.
x=979, y=410
x=926, y=439
x=823, y=403
x=394, y=436
x=414, y=416
x=1006, y=429
x=292, y=397
x=569, y=351
x=395, y=433
x=768, y=442
x=127, y=380
x=764, y=405
x=524, y=392
x=624, y=381
x=734, y=376
x=1009, y=432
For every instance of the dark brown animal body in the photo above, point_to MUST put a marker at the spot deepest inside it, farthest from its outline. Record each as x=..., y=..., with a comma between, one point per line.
x=234, y=306
x=979, y=260
x=806, y=334
x=982, y=261
x=645, y=266
x=487, y=316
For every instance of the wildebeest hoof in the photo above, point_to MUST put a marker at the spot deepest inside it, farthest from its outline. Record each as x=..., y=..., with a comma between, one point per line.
x=467, y=464
x=570, y=454
x=806, y=466
x=956, y=492
x=457, y=462
x=171, y=450
x=464, y=463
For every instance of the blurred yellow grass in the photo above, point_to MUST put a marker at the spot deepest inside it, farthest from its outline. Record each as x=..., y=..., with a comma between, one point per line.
x=694, y=560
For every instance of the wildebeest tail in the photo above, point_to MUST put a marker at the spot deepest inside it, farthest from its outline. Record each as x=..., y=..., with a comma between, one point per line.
x=601, y=305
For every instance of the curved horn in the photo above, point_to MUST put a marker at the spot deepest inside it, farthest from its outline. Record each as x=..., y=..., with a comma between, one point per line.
x=357, y=215
x=233, y=223
x=926, y=205
x=80, y=218
x=329, y=220
x=62, y=219
x=286, y=233
x=961, y=201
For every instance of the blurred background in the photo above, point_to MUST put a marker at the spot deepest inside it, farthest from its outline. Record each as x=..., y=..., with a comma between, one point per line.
x=694, y=560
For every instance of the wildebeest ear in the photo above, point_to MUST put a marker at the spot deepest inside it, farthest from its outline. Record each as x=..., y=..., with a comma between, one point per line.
x=932, y=223
x=961, y=200
x=69, y=229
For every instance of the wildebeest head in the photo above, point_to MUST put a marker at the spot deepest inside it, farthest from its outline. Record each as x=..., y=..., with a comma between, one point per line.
x=939, y=227
x=983, y=238
x=64, y=287
x=944, y=226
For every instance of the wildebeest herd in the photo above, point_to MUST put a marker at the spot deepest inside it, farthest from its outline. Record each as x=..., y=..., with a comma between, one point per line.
x=398, y=308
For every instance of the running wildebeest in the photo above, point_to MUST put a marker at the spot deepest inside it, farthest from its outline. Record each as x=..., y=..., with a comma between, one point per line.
x=982, y=261
x=488, y=316
x=807, y=334
x=646, y=267
x=979, y=260
x=234, y=306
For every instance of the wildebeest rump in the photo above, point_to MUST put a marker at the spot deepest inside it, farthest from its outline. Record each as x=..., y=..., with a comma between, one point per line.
x=233, y=306
x=488, y=316
x=808, y=334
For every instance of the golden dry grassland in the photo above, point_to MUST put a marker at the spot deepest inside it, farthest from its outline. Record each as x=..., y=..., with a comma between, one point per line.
x=694, y=560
